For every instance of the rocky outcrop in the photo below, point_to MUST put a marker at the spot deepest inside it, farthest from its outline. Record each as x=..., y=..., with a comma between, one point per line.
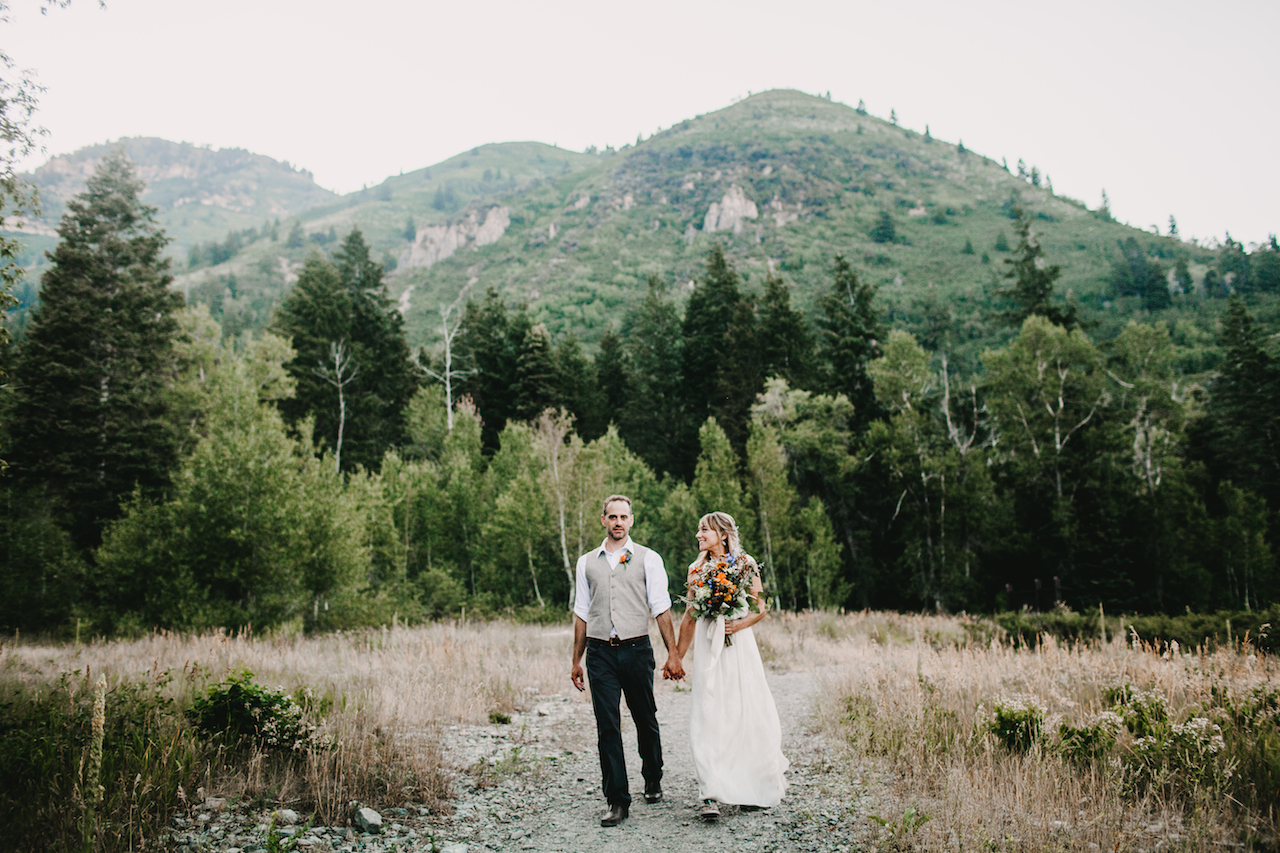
x=782, y=212
x=434, y=243
x=731, y=212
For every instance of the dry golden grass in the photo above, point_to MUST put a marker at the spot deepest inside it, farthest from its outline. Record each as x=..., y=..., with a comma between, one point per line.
x=906, y=698
x=384, y=693
x=910, y=697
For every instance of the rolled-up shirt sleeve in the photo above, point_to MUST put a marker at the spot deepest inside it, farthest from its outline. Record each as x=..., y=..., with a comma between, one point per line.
x=582, y=595
x=655, y=582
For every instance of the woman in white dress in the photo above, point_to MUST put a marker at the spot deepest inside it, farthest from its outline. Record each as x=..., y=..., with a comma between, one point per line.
x=734, y=728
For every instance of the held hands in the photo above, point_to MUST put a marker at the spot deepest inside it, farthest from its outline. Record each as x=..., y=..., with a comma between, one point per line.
x=673, y=669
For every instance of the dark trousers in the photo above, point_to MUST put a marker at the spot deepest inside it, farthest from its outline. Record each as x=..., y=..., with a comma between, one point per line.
x=617, y=671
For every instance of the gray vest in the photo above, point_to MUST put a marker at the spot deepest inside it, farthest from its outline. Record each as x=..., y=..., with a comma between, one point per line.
x=619, y=597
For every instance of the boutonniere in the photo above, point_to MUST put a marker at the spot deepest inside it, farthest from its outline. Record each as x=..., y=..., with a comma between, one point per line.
x=625, y=558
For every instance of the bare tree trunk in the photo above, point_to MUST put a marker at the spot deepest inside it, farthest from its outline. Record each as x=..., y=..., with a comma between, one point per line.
x=342, y=423
x=533, y=573
x=342, y=373
x=449, y=373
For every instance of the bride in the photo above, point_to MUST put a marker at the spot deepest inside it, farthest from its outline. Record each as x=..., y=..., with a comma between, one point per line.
x=734, y=728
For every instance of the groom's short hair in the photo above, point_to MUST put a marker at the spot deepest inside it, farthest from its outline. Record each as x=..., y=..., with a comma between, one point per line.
x=604, y=507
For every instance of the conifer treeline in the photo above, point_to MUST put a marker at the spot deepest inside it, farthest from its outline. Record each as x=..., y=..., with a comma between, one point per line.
x=165, y=475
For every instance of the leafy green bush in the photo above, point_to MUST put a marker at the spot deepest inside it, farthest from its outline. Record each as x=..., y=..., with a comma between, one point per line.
x=1084, y=744
x=1145, y=712
x=239, y=708
x=1018, y=722
x=1182, y=758
x=1251, y=738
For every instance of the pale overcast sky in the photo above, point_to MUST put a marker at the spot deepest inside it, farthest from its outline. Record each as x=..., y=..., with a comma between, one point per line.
x=1171, y=106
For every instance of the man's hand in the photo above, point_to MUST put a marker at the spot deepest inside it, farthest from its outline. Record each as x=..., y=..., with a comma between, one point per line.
x=577, y=677
x=673, y=668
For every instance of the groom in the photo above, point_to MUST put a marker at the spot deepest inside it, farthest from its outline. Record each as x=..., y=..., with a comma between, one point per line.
x=619, y=585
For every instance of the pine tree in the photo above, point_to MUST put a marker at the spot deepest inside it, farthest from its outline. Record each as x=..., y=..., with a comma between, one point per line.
x=1244, y=406
x=654, y=341
x=613, y=376
x=884, y=231
x=88, y=418
x=849, y=338
x=1104, y=208
x=489, y=344
x=536, y=387
x=378, y=342
x=968, y=247
x=1173, y=226
x=1031, y=290
x=786, y=343
x=1182, y=273
x=342, y=304
x=578, y=391
x=720, y=371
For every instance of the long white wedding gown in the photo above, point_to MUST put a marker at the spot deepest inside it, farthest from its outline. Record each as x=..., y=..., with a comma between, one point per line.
x=734, y=728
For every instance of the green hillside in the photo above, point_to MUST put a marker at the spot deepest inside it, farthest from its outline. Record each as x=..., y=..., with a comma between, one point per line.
x=782, y=179
x=794, y=178
x=200, y=193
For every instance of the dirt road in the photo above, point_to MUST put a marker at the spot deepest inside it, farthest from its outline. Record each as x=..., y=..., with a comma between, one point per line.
x=534, y=784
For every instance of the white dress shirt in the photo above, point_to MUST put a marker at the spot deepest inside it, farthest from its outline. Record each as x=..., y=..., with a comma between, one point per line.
x=655, y=579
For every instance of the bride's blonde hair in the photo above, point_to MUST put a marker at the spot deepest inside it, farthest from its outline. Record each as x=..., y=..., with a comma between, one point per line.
x=723, y=523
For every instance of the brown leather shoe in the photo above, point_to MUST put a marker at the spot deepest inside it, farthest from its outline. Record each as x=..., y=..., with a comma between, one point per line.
x=616, y=814
x=654, y=796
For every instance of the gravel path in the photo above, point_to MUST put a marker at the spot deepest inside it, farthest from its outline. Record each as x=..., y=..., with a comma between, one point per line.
x=535, y=785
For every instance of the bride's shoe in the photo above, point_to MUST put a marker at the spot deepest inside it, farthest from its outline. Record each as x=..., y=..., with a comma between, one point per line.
x=710, y=810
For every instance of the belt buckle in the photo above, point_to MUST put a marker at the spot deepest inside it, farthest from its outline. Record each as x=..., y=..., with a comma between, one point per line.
x=615, y=642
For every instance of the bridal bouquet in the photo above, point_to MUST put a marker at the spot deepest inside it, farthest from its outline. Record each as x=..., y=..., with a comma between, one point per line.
x=721, y=587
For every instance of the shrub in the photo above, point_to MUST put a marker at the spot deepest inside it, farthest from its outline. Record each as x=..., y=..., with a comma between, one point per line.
x=148, y=758
x=1145, y=712
x=1092, y=742
x=884, y=230
x=1018, y=722
x=239, y=708
x=1182, y=758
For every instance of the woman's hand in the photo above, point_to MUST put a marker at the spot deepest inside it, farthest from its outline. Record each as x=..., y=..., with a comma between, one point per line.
x=730, y=627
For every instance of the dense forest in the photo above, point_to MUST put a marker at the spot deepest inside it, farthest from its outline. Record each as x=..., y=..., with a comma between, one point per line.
x=163, y=473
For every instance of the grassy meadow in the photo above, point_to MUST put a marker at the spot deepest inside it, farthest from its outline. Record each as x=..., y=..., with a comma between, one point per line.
x=956, y=738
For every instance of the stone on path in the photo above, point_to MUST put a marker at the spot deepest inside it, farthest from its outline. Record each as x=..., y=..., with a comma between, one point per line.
x=287, y=816
x=368, y=820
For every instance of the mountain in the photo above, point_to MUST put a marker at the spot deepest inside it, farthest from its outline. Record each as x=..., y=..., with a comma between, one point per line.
x=200, y=193
x=782, y=179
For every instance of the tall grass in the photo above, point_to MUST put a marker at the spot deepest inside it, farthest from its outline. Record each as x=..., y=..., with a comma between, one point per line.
x=1011, y=747
x=956, y=738
x=381, y=696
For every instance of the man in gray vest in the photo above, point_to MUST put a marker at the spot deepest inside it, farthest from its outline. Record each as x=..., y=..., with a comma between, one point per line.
x=620, y=584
